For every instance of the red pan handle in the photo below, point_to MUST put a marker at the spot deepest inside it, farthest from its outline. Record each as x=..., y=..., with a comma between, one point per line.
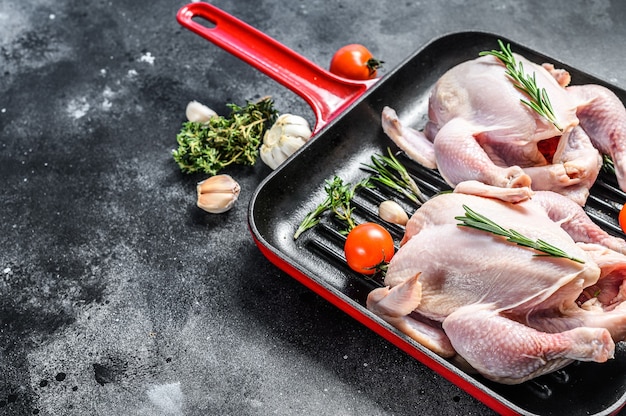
x=327, y=94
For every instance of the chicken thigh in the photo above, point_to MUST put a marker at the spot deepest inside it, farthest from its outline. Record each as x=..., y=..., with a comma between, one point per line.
x=479, y=129
x=509, y=311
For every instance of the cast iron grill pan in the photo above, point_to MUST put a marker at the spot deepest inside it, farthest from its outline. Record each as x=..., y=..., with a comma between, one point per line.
x=347, y=135
x=287, y=195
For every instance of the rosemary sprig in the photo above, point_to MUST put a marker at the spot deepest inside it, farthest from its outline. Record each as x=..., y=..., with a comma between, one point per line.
x=472, y=219
x=390, y=172
x=607, y=164
x=312, y=218
x=539, y=100
x=338, y=200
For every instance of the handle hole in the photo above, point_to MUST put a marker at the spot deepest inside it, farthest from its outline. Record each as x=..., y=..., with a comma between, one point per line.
x=204, y=22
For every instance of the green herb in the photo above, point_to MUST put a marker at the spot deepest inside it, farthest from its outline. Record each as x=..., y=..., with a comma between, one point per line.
x=312, y=218
x=338, y=200
x=390, y=172
x=341, y=200
x=539, y=100
x=472, y=219
x=209, y=147
x=608, y=165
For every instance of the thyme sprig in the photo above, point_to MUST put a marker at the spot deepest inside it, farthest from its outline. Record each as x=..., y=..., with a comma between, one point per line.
x=472, y=219
x=390, y=172
x=210, y=147
x=539, y=100
x=338, y=200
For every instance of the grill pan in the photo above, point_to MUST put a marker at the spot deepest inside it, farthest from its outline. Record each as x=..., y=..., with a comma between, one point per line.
x=346, y=134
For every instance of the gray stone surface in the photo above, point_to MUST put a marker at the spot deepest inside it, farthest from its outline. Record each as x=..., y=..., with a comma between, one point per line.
x=117, y=295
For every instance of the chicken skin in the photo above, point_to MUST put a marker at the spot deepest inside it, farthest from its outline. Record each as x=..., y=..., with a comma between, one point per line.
x=479, y=129
x=511, y=312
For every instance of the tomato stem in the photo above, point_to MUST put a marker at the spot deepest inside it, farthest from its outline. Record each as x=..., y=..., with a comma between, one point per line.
x=373, y=65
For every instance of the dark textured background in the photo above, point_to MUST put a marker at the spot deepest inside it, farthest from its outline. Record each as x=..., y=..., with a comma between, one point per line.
x=117, y=295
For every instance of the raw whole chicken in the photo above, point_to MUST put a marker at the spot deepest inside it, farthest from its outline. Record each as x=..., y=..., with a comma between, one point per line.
x=508, y=311
x=478, y=129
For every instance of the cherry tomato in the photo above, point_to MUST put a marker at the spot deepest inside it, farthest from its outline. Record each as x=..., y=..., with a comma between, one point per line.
x=622, y=218
x=354, y=61
x=368, y=245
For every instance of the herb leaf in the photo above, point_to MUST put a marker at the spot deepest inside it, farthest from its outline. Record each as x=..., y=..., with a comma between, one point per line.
x=472, y=219
x=390, y=172
x=607, y=164
x=312, y=218
x=338, y=200
x=539, y=100
x=210, y=147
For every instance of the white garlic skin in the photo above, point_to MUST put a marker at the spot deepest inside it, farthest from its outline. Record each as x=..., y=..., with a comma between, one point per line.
x=217, y=194
x=392, y=212
x=199, y=112
x=288, y=134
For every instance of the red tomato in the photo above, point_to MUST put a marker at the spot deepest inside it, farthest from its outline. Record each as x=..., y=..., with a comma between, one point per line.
x=354, y=61
x=368, y=245
x=622, y=218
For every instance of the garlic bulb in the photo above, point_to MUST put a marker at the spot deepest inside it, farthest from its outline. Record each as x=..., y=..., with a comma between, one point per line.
x=392, y=212
x=288, y=134
x=217, y=194
x=198, y=112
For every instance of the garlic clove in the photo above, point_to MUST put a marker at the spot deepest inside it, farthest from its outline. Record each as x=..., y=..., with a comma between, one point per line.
x=290, y=144
x=392, y=212
x=216, y=203
x=278, y=155
x=198, y=112
x=272, y=136
x=267, y=157
x=219, y=183
x=297, y=126
x=217, y=194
